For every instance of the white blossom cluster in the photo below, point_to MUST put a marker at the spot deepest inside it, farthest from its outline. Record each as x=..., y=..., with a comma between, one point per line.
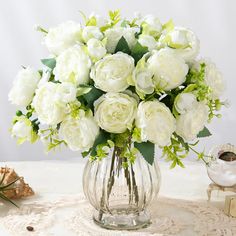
x=116, y=75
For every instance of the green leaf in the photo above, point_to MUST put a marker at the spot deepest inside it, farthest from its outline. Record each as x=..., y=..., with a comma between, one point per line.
x=175, y=112
x=101, y=139
x=183, y=143
x=49, y=62
x=41, y=29
x=114, y=17
x=91, y=21
x=168, y=26
x=173, y=165
x=4, y=187
x=84, y=154
x=204, y=133
x=190, y=88
x=92, y=96
x=138, y=51
x=34, y=136
x=122, y=46
x=83, y=16
x=147, y=149
x=136, y=136
x=3, y=177
x=81, y=90
x=7, y=199
x=20, y=141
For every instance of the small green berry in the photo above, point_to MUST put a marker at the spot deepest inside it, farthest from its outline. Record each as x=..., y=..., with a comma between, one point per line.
x=29, y=114
x=28, y=107
x=19, y=113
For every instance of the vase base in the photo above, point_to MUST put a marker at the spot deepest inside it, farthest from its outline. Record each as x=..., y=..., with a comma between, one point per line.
x=121, y=220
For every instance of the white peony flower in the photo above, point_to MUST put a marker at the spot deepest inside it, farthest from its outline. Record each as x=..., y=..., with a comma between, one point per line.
x=24, y=87
x=50, y=111
x=182, y=42
x=79, y=133
x=66, y=92
x=111, y=74
x=151, y=26
x=113, y=36
x=148, y=41
x=156, y=122
x=142, y=79
x=213, y=78
x=185, y=102
x=169, y=69
x=90, y=32
x=192, y=122
x=73, y=65
x=22, y=129
x=115, y=112
x=62, y=37
x=96, y=49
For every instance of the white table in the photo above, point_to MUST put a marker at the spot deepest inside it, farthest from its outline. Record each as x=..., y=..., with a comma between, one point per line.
x=55, y=179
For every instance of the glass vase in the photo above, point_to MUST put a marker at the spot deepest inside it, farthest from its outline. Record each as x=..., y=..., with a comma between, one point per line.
x=121, y=192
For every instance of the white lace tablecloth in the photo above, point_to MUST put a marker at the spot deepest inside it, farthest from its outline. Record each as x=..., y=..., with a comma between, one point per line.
x=60, y=209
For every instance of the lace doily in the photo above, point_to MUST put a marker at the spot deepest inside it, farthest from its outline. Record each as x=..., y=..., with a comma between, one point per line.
x=74, y=215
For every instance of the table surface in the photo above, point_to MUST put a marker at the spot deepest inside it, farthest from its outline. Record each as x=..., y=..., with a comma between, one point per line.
x=58, y=178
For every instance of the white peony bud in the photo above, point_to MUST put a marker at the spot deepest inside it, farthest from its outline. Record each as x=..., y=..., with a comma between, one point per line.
x=22, y=129
x=62, y=37
x=148, y=41
x=96, y=49
x=90, y=32
x=185, y=102
x=151, y=26
x=24, y=87
x=182, y=42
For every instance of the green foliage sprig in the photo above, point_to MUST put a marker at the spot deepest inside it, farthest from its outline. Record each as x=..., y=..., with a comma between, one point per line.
x=6, y=187
x=114, y=19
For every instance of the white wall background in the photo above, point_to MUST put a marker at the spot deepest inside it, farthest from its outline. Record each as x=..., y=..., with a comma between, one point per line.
x=214, y=21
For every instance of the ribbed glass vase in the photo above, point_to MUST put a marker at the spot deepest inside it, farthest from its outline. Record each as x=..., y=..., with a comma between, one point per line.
x=119, y=194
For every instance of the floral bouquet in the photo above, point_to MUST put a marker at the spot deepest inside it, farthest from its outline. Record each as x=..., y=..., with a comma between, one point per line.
x=119, y=86
x=112, y=82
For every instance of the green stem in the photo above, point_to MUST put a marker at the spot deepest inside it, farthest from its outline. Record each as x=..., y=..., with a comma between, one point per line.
x=109, y=185
x=202, y=158
x=135, y=187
